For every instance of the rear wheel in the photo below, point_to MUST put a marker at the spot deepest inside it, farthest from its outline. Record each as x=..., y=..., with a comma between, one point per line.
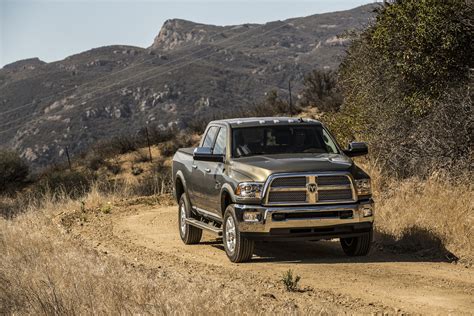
x=189, y=234
x=357, y=246
x=237, y=248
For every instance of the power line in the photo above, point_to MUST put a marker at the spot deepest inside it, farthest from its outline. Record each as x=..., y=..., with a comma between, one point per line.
x=136, y=65
x=172, y=69
x=176, y=68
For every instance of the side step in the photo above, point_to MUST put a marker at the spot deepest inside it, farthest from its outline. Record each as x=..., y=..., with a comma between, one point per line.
x=208, y=227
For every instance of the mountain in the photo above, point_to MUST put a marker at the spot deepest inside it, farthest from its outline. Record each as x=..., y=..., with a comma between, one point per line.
x=189, y=69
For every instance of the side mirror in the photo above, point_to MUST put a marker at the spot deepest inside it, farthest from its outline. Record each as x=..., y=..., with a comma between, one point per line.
x=205, y=154
x=355, y=149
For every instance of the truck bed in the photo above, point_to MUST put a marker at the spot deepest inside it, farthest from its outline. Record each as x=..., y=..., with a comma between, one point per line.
x=187, y=150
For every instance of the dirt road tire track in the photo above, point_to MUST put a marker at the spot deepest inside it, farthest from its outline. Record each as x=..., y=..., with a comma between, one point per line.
x=377, y=283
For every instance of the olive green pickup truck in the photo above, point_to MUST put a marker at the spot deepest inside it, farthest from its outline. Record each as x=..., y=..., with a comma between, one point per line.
x=272, y=178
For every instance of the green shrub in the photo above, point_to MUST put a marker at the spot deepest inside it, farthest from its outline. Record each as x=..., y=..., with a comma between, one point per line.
x=290, y=282
x=13, y=171
x=406, y=85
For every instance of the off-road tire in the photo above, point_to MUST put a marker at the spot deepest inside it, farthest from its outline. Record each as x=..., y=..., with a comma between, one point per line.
x=190, y=234
x=357, y=246
x=244, y=247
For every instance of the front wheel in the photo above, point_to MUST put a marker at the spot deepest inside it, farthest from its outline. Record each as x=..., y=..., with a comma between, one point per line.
x=357, y=246
x=237, y=248
x=189, y=234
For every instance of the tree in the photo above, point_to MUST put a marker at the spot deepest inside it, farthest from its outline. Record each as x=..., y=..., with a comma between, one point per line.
x=406, y=85
x=321, y=90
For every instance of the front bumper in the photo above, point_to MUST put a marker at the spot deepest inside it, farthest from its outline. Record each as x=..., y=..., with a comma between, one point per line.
x=313, y=222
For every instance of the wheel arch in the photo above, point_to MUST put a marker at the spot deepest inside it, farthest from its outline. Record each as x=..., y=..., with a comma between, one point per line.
x=179, y=185
x=227, y=198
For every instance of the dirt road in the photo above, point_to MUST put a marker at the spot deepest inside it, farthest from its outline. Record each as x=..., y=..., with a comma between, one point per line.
x=381, y=282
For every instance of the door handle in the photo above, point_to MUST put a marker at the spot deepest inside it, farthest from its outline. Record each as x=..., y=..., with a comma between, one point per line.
x=195, y=167
x=207, y=170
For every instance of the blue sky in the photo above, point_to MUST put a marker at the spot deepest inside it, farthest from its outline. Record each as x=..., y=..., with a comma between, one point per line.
x=53, y=29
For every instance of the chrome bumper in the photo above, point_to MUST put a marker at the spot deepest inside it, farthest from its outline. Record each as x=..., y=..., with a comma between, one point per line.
x=316, y=216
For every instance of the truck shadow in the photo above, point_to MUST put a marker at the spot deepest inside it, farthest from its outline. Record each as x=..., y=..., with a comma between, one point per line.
x=415, y=245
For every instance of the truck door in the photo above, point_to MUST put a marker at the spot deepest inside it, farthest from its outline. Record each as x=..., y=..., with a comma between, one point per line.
x=200, y=171
x=215, y=177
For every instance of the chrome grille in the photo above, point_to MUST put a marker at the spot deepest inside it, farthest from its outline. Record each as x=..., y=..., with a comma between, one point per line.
x=309, y=189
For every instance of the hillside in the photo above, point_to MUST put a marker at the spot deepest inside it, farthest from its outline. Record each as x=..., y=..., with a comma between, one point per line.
x=190, y=69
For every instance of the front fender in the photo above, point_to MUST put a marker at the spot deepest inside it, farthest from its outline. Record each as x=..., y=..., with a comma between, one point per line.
x=227, y=188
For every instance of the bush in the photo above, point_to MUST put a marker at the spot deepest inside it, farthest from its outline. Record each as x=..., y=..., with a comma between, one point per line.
x=321, y=90
x=114, y=167
x=169, y=148
x=13, y=171
x=115, y=146
x=158, y=135
x=71, y=183
x=94, y=161
x=272, y=106
x=155, y=182
x=406, y=86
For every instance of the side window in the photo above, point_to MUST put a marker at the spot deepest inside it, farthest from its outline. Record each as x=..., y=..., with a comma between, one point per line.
x=219, y=147
x=330, y=146
x=210, y=136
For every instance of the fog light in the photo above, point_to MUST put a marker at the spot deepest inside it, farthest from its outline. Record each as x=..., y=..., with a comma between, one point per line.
x=367, y=211
x=251, y=216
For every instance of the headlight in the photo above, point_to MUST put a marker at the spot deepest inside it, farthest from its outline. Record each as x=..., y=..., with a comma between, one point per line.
x=363, y=187
x=249, y=190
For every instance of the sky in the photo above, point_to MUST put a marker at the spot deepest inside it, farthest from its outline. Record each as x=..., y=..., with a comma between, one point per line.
x=55, y=29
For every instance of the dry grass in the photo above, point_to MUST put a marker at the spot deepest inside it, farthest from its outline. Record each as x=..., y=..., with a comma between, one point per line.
x=431, y=216
x=45, y=270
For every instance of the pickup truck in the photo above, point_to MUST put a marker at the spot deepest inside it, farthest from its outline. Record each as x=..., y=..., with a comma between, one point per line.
x=272, y=178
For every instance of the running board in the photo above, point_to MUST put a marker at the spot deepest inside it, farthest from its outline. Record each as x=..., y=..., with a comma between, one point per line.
x=208, y=227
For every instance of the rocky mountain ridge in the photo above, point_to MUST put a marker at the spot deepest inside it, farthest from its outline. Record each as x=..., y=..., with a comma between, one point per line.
x=191, y=69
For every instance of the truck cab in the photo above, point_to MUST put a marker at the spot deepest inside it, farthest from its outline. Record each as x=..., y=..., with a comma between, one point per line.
x=272, y=179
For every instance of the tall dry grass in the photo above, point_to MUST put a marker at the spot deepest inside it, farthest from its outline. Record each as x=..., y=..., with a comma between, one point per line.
x=44, y=270
x=432, y=215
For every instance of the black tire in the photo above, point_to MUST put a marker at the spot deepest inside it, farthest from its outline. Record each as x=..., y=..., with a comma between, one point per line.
x=189, y=234
x=357, y=246
x=243, y=247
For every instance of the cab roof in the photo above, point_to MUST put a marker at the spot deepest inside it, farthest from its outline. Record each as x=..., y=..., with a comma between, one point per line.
x=262, y=121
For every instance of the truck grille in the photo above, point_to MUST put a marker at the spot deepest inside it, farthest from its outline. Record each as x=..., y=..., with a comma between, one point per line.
x=289, y=196
x=310, y=189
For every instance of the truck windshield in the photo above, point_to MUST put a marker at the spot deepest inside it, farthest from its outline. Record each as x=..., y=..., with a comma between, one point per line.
x=268, y=140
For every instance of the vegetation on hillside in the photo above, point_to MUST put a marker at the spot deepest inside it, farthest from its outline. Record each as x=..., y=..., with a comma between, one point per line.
x=406, y=82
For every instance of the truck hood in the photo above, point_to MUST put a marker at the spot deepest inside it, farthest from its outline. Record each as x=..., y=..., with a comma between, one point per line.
x=260, y=167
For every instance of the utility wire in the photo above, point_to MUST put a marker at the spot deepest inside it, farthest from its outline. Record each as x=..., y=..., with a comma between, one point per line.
x=133, y=66
x=171, y=69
